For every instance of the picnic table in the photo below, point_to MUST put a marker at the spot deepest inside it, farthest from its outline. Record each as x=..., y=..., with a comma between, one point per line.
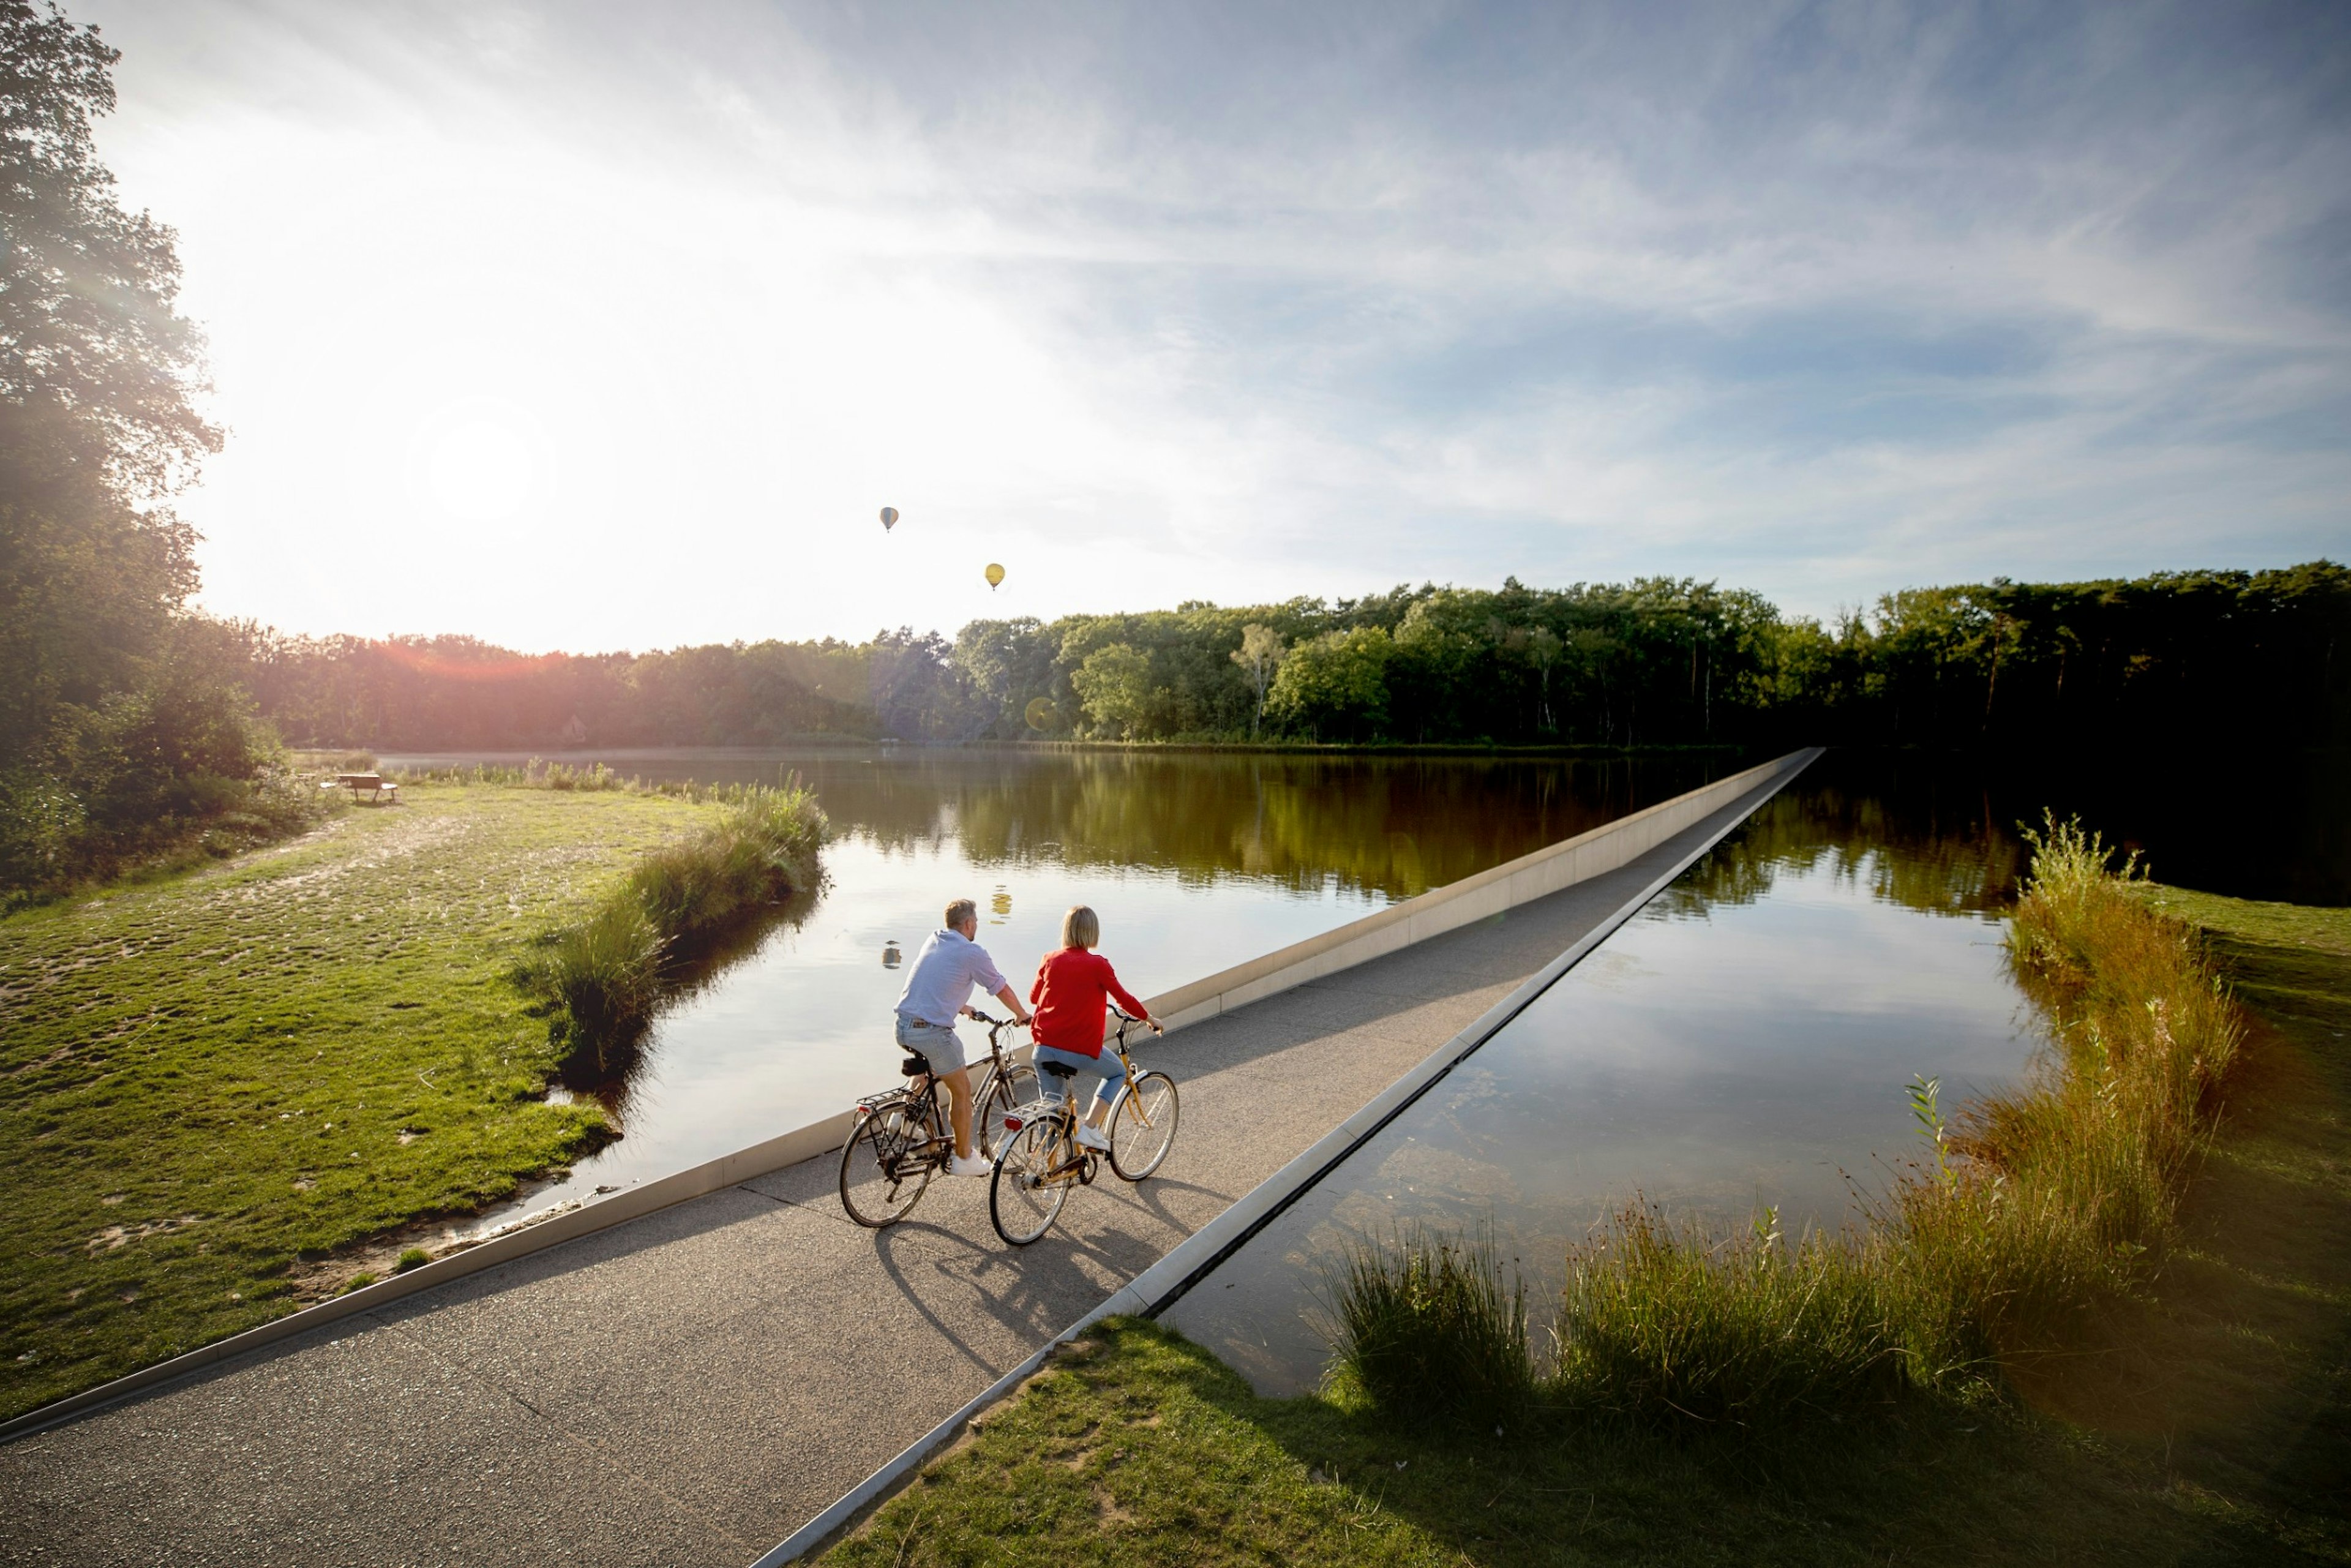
x=374, y=786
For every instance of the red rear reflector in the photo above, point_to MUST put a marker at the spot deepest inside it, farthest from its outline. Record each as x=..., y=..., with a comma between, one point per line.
x=1011, y=1123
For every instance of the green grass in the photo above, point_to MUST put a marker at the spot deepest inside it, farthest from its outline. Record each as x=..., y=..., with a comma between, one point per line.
x=601, y=977
x=2204, y=1416
x=213, y=1088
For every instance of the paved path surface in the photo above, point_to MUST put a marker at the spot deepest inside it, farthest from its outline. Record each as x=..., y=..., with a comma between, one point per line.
x=691, y=1387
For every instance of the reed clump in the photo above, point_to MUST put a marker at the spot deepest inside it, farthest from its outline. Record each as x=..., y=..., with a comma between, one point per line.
x=2026, y=1213
x=1430, y=1324
x=1661, y=1321
x=600, y=978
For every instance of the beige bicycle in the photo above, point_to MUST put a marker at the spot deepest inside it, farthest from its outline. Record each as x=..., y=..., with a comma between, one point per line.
x=1040, y=1159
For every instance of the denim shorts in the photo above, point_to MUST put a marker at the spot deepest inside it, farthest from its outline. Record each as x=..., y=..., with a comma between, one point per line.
x=941, y=1046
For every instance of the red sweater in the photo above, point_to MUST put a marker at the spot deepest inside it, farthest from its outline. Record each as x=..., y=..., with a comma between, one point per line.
x=1069, y=997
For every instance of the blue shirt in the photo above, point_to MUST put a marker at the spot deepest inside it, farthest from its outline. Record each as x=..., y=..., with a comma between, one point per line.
x=946, y=971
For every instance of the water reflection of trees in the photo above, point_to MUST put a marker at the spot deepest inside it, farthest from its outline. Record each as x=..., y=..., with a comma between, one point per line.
x=1911, y=841
x=1392, y=825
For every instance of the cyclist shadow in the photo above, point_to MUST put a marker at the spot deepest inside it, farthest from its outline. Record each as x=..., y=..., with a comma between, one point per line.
x=1033, y=1293
x=1150, y=1195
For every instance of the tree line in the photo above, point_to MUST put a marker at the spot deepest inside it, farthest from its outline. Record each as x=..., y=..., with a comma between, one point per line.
x=133, y=728
x=126, y=724
x=2236, y=656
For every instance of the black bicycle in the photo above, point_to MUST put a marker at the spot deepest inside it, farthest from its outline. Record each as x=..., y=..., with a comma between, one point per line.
x=1042, y=1159
x=904, y=1137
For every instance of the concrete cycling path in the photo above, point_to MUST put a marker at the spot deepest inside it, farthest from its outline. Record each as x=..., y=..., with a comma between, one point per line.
x=693, y=1386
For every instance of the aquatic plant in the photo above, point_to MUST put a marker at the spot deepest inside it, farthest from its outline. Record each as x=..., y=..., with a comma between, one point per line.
x=1661, y=1321
x=1427, y=1324
x=2030, y=1210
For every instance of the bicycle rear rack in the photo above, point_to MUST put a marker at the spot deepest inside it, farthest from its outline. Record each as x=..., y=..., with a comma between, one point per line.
x=1021, y=1115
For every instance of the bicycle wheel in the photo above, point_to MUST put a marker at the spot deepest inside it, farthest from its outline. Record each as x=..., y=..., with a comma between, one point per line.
x=1016, y=1087
x=1143, y=1126
x=1023, y=1197
x=884, y=1143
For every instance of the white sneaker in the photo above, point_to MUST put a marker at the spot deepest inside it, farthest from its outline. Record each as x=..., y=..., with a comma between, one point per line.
x=967, y=1166
x=1091, y=1136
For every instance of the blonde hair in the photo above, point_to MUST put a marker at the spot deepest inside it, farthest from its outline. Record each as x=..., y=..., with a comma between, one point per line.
x=961, y=910
x=1081, y=928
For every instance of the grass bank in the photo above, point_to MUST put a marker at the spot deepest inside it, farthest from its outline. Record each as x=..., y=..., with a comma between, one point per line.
x=2203, y=1414
x=212, y=1087
x=600, y=976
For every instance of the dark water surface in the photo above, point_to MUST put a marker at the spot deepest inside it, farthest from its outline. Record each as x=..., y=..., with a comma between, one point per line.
x=1746, y=1040
x=1196, y=861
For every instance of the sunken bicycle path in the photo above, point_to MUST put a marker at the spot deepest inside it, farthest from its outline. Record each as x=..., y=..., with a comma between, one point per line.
x=693, y=1386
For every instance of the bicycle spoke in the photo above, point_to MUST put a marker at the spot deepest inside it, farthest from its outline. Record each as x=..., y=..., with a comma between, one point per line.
x=884, y=1167
x=1143, y=1128
x=1025, y=1193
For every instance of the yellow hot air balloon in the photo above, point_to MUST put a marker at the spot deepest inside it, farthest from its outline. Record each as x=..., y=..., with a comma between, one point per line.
x=995, y=576
x=889, y=518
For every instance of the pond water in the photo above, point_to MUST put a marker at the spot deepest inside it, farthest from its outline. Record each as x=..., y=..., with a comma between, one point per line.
x=1196, y=861
x=1746, y=1040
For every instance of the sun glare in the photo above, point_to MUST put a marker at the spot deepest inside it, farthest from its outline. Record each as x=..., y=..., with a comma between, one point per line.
x=480, y=471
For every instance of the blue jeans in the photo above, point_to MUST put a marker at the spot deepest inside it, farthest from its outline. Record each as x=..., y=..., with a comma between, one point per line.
x=1106, y=1069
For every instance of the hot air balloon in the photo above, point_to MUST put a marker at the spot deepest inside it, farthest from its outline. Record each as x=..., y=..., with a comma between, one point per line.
x=889, y=518
x=1040, y=713
x=995, y=576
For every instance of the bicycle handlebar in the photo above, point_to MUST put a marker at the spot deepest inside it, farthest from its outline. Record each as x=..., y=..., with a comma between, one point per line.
x=996, y=1025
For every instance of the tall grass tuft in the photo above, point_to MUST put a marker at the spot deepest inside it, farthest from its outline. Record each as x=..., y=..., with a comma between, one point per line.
x=2027, y=1211
x=602, y=978
x=1661, y=1321
x=1428, y=1326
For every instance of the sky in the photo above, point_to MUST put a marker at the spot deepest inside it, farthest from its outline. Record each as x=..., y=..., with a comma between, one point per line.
x=598, y=326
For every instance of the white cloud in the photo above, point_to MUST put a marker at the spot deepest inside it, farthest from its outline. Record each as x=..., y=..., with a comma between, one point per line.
x=1168, y=304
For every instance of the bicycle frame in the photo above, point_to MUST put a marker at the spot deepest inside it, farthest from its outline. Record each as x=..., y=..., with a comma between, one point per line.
x=1117, y=1042
x=934, y=1117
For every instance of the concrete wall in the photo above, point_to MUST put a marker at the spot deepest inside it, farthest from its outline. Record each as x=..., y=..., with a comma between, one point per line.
x=1464, y=902
x=1432, y=914
x=1198, y=1254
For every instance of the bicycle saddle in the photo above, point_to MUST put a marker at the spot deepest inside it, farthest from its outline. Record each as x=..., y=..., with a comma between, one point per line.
x=916, y=1065
x=1057, y=1070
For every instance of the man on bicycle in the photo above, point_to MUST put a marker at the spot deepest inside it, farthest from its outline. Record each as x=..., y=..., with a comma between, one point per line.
x=938, y=991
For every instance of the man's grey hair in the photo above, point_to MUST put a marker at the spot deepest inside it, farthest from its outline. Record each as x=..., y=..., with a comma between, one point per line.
x=961, y=910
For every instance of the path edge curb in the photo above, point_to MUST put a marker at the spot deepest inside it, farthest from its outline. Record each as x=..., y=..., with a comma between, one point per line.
x=1200, y=1254
x=1407, y=923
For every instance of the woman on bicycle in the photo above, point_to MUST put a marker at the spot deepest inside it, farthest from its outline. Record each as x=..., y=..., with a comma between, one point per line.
x=1070, y=996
